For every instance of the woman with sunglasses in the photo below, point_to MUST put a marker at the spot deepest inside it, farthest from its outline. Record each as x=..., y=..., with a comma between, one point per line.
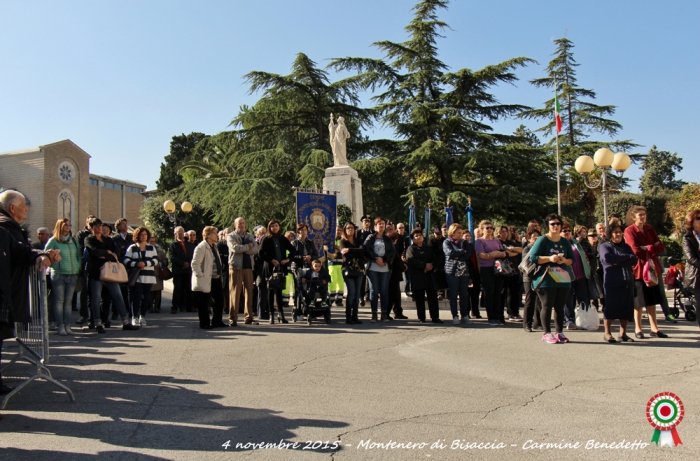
x=580, y=294
x=275, y=251
x=353, y=254
x=552, y=284
x=488, y=248
x=380, y=252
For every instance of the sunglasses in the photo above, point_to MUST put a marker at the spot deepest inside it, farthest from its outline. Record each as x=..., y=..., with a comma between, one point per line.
x=555, y=224
x=697, y=218
x=488, y=228
x=565, y=230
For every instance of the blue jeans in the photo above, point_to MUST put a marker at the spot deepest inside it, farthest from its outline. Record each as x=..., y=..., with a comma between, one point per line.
x=379, y=286
x=139, y=296
x=96, y=297
x=63, y=287
x=458, y=286
x=353, y=300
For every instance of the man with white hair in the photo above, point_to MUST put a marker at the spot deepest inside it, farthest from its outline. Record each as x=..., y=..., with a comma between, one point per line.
x=242, y=248
x=42, y=235
x=181, y=252
x=16, y=255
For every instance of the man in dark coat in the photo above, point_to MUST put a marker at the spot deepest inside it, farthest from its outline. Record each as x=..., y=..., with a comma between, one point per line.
x=85, y=293
x=181, y=252
x=16, y=255
x=122, y=240
x=361, y=236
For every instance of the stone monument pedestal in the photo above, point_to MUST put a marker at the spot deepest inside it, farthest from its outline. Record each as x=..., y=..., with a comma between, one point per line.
x=346, y=182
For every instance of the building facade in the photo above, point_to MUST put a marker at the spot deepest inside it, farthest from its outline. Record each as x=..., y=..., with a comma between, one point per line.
x=57, y=182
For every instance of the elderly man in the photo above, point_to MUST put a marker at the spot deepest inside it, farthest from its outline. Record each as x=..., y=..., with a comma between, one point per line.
x=242, y=248
x=600, y=230
x=16, y=255
x=192, y=237
x=42, y=235
x=181, y=252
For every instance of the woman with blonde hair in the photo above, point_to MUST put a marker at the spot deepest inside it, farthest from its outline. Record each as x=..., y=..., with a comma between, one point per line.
x=489, y=248
x=206, y=280
x=64, y=274
x=458, y=252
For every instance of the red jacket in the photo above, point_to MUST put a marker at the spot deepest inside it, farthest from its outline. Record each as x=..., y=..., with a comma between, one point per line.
x=642, y=243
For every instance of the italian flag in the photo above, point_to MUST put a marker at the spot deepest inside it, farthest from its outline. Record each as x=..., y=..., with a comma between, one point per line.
x=557, y=113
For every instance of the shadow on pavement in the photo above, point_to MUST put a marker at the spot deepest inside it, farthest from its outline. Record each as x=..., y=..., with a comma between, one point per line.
x=147, y=412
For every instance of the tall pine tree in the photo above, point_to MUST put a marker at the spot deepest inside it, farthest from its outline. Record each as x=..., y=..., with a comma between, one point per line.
x=581, y=118
x=445, y=145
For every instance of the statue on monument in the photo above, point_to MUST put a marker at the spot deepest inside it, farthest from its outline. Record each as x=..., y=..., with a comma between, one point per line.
x=338, y=135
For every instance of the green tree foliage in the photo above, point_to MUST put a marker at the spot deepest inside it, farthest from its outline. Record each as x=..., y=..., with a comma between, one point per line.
x=660, y=167
x=280, y=142
x=158, y=222
x=181, y=149
x=620, y=204
x=445, y=146
x=344, y=214
x=581, y=118
x=682, y=203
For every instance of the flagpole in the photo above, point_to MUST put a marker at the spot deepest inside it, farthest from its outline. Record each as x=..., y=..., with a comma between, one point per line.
x=556, y=131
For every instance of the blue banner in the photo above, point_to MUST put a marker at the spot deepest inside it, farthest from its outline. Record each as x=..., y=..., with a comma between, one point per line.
x=318, y=212
x=470, y=218
x=448, y=216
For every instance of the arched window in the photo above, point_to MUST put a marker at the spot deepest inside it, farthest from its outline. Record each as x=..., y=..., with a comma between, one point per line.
x=66, y=205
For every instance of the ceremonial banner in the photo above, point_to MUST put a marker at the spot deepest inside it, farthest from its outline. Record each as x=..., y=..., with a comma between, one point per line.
x=318, y=212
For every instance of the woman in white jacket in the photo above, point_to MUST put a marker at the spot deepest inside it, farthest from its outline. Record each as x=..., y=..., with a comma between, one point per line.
x=206, y=279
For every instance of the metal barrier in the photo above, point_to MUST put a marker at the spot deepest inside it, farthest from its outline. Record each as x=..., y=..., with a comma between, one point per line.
x=33, y=337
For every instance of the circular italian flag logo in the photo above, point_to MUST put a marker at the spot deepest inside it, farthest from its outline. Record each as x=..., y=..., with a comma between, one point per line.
x=664, y=412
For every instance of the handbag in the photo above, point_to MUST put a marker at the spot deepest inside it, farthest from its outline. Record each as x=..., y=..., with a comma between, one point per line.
x=277, y=281
x=351, y=272
x=79, y=284
x=134, y=276
x=651, y=278
x=461, y=269
x=503, y=268
x=527, y=267
x=113, y=272
x=165, y=273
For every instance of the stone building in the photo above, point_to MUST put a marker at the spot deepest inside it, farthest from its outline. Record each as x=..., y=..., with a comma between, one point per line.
x=57, y=182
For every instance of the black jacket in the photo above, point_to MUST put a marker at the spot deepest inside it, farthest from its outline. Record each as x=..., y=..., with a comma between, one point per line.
x=178, y=257
x=417, y=258
x=390, y=251
x=299, y=247
x=98, y=254
x=438, y=252
x=361, y=235
x=15, y=258
x=20, y=275
x=356, y=256
x=691, y=251
x=267, y=253
x=82, y=235
x=122, y=244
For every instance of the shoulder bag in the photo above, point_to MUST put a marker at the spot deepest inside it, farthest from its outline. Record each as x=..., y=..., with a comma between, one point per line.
x=503, y=267
x=277, y=281
x=113, y=272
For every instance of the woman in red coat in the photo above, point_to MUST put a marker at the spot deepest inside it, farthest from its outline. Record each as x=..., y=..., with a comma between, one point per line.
x=646, y=245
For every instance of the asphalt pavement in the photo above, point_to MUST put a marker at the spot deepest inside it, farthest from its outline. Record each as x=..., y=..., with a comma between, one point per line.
x=399, y=390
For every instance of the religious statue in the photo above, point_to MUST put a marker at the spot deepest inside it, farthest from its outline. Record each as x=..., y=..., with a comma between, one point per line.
x=339, y=135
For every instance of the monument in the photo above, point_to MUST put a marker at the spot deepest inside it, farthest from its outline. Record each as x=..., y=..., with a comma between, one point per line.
x=341, y=177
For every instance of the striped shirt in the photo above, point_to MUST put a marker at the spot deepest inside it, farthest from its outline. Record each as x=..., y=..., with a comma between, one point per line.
x=134, y=255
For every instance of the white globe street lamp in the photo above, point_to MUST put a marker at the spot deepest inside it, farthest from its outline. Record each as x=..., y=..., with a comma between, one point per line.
x=605, y=159
x=171, y=209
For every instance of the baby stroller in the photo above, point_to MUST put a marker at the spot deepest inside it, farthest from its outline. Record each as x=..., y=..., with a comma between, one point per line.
x=315, y=307
x=683, y=297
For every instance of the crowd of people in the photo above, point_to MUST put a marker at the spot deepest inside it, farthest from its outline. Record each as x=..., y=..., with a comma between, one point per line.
x=550, y=272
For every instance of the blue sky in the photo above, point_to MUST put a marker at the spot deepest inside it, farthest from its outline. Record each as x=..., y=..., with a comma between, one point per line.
x=120, y=78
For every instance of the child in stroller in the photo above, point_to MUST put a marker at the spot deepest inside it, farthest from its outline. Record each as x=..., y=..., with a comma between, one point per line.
x=683, y=297
x=311, y=287
x=316, y=281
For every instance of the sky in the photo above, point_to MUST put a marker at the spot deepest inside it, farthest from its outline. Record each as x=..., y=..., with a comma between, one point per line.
x=120, y=78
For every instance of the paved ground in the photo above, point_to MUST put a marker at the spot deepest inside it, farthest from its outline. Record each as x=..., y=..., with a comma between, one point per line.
x=173, y=391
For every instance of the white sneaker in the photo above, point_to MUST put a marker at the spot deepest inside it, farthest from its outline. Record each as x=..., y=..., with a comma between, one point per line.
x=52, y=326
x=134, y=321
x=61, y=330
x=455, y=320
x=142, y=321
x=68, y=330
x=466, y=321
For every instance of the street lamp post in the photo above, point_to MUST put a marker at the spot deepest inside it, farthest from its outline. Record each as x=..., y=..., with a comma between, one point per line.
x=605, y=159
x=171, y=209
